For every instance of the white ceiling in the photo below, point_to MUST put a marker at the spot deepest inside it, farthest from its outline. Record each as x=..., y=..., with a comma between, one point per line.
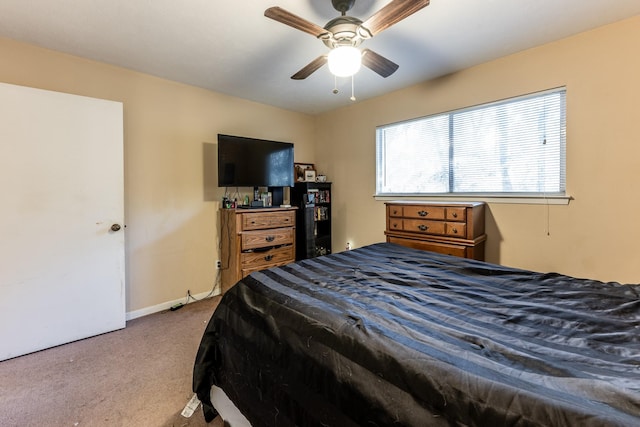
x=230, y=47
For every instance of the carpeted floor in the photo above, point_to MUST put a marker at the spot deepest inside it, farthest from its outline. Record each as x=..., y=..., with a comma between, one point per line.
x=138, y=376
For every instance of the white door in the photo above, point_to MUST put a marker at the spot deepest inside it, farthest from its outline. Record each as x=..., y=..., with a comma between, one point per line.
x=61, y=187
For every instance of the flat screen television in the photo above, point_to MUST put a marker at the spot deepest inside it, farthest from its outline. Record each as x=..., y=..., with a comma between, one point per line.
x=250, y=162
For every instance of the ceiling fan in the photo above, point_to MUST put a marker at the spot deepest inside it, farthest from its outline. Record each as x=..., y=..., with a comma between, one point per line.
x=345, y=33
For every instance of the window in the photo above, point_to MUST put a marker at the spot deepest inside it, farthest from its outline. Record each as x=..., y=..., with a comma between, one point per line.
x=514, y=147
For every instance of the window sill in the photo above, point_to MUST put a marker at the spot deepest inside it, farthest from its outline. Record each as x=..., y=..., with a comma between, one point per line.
x=520, y=199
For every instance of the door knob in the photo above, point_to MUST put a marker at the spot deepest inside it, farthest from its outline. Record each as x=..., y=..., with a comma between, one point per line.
x=115, y=227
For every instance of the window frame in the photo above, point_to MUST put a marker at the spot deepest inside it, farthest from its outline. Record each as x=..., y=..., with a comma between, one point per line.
x=559, y=197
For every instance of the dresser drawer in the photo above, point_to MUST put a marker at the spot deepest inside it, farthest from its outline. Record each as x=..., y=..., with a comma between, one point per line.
x=259, y=259
x=441, y=248
x=425, y=212
x=395, y=223
x=456, y=214
x=265, y=238
x=258, y=221
x=244, y=272
x=423, y=226
x=395, y=211
x=455, y=229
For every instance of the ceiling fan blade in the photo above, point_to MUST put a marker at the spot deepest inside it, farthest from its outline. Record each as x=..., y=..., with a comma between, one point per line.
x=310, y=68
x=278, y=14
x=378, y=63
x=392, y=13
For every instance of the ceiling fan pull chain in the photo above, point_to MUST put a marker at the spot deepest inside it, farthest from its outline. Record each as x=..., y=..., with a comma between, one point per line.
x=353, y=96
x=335, y=84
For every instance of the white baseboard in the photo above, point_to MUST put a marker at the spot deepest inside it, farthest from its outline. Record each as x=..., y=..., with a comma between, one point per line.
x=161, y=307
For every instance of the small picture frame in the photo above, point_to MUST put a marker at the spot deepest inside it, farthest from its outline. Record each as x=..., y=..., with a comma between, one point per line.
x=310, y=175
x=299, y=170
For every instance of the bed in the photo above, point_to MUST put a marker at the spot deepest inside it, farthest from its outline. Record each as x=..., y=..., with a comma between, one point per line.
x=387, y=335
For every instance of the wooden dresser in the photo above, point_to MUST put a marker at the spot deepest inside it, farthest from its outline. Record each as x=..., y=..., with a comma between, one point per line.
x=448, y=228
x=255, y=239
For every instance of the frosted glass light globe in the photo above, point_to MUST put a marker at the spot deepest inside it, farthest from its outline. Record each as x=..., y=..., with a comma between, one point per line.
x=344, y=61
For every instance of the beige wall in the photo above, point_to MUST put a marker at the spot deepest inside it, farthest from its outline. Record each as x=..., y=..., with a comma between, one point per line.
x=597, y=234
x=171, y=221
x=172, y=233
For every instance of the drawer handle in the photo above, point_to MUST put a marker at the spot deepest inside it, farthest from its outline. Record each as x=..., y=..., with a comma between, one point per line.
x=423, y=227
x=395, y=212
x=268, y=258
x=395, y=225
x=455, y=231
x=455, y=215
x=270, y=238
x=423, y=213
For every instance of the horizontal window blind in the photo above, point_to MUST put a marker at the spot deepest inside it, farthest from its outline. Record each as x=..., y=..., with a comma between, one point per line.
x=516, y=146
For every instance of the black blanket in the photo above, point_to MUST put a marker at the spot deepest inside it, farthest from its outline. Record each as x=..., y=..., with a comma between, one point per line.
x=390, y=336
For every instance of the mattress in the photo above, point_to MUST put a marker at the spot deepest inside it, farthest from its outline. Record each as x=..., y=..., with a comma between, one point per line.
x=388, y=335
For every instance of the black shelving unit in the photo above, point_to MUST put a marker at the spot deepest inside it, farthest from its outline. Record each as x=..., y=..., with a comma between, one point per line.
x=313, y=222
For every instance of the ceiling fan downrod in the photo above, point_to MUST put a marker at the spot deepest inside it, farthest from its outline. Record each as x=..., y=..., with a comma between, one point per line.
x=342, y=6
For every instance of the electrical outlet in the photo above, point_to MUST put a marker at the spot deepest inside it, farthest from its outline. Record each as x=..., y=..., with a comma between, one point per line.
x=218, y=264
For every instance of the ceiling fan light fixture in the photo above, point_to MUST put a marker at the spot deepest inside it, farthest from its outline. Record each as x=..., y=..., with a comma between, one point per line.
x=344, y=61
